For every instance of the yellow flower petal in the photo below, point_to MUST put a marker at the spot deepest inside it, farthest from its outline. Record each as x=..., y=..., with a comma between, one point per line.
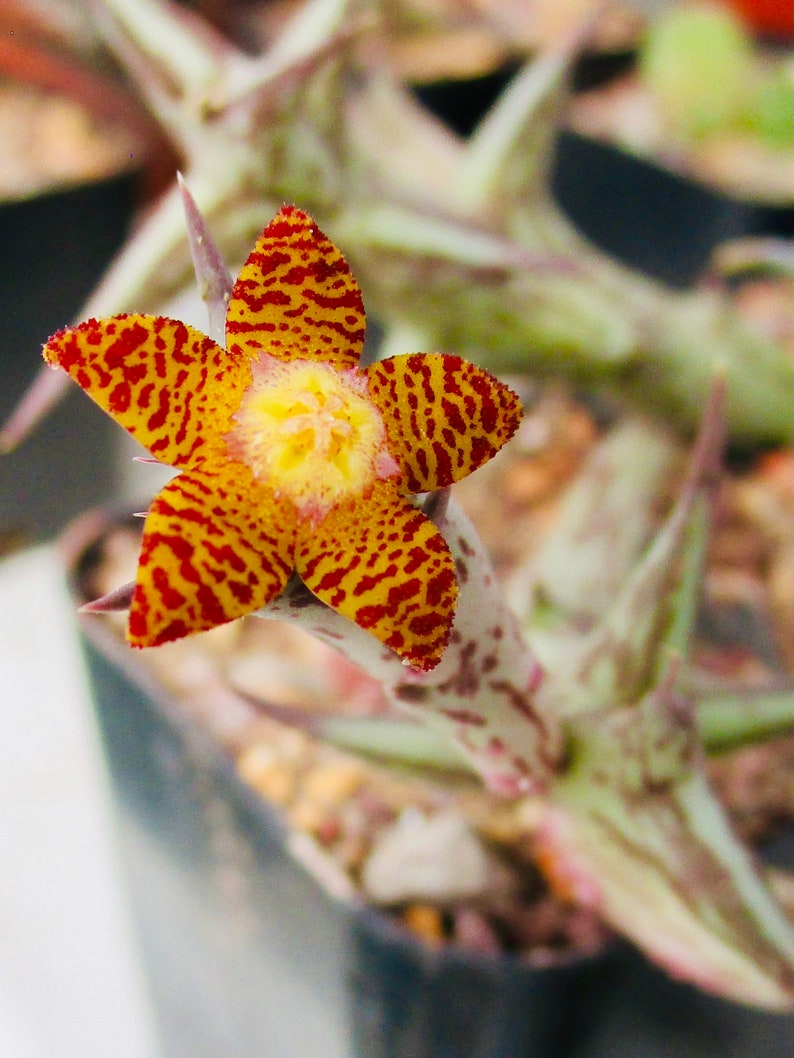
x=170, y=386
x=295, y=297
x=384, y=565
x=216, y=546
x=444, y=417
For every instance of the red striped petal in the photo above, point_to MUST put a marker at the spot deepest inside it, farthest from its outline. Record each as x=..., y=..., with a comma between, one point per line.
x=216, y=546
x=444, y=417
x=384, y=565
x=173, y=388
x=295, y=297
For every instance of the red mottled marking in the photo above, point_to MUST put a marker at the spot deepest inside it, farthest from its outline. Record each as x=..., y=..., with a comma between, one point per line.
x=119, y=398
x=296, y=298
x=465, y=716
x=444, y=417
x=138, y=368
x=411, y=614
x=215, y=547
x=536, y=678
x=427, y=625
x=522, y=704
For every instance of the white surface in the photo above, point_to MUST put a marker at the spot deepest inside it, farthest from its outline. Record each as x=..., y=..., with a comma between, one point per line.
x=69, y=982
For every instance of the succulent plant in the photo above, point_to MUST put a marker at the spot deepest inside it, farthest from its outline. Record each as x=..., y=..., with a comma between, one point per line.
x=581, y=696
x=584, y=706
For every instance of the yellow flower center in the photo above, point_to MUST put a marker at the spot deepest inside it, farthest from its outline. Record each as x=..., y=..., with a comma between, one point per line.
x=310, y=432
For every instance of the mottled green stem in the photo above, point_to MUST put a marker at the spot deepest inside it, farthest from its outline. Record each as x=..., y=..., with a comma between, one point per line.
x=671, y=344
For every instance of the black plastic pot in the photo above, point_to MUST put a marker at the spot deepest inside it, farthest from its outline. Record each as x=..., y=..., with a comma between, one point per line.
x=646, y=216
x=55, y=248
x=463, y=102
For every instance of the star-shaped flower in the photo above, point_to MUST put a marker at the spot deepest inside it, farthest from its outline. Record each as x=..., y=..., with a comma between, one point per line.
x=292, y=457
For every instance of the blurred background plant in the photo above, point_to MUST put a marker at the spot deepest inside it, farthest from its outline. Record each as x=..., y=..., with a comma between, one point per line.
x=322, y=116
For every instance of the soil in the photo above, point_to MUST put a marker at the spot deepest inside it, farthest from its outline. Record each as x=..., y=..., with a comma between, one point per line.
x=50, y=141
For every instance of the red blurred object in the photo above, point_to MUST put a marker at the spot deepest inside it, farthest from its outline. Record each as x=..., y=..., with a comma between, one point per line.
x=772, y=17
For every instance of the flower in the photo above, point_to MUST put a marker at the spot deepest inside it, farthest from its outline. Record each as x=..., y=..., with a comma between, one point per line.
x=292, y=458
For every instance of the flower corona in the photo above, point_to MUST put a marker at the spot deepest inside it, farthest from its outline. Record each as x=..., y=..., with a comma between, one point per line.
x=312, y=432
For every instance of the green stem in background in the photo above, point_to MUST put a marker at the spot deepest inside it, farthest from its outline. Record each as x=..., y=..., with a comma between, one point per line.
x=764, y=255
x=725, y=722
x=730, y=720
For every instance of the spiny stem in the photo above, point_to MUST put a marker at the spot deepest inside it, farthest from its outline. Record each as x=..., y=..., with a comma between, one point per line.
x=482, y=693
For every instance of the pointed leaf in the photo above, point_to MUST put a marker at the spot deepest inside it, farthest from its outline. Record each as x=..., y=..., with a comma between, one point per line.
x=164, y=42
x=605, y=519
x=630, y=647
x=311, y=28
x=114, y=601
x=635, y=832
x=507, y=160
x=404, y=744
x=399, y=743
x=213, y=278
x=683, y=606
